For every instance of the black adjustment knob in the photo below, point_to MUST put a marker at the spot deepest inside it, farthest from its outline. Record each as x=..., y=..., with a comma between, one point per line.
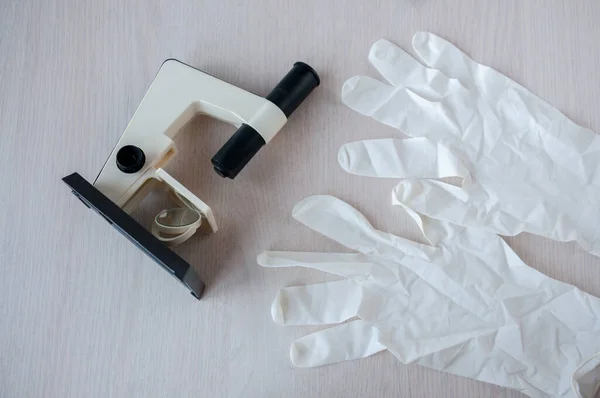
x=130, y=159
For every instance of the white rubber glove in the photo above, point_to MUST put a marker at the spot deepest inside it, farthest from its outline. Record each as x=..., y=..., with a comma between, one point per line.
x=525, y=165
x=465, y=305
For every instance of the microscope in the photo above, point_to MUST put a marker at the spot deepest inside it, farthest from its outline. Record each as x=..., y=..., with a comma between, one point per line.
x=135, y=167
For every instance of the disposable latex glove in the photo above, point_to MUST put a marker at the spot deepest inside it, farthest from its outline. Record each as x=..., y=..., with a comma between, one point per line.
x=525, y=165
x=465, y=304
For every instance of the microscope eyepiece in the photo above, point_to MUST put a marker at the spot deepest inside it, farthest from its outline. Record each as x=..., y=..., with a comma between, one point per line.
x=289, y=93
x=294, y=88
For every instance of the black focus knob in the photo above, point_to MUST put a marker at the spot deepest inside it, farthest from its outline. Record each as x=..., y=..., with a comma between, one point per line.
x=130, y=159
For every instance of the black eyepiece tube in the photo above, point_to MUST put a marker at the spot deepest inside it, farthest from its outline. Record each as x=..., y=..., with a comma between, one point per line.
x=294, y=88
x=237, y=151
x=289, y=93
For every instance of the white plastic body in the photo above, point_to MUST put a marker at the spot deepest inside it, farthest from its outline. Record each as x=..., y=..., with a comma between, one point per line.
x=177, y=94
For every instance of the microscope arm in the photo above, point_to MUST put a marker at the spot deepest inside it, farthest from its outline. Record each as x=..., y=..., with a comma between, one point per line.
x=177, y=94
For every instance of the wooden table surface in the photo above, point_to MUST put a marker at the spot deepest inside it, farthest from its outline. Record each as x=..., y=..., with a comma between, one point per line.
x=83, y=313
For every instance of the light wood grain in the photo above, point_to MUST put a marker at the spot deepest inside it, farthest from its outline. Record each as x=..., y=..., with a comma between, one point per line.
x=85, y=314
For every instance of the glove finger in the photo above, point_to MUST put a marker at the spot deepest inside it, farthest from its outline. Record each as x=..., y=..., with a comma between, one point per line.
x=434, y=199
x=346, y=342
x=348, y=265
x=402, y=70
x=438, y=53
x=416, y=112
x=393, y=158
x=395, y=64
x=447, y=202
x=318, y=304
x=365, y=95
x=341, y=222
